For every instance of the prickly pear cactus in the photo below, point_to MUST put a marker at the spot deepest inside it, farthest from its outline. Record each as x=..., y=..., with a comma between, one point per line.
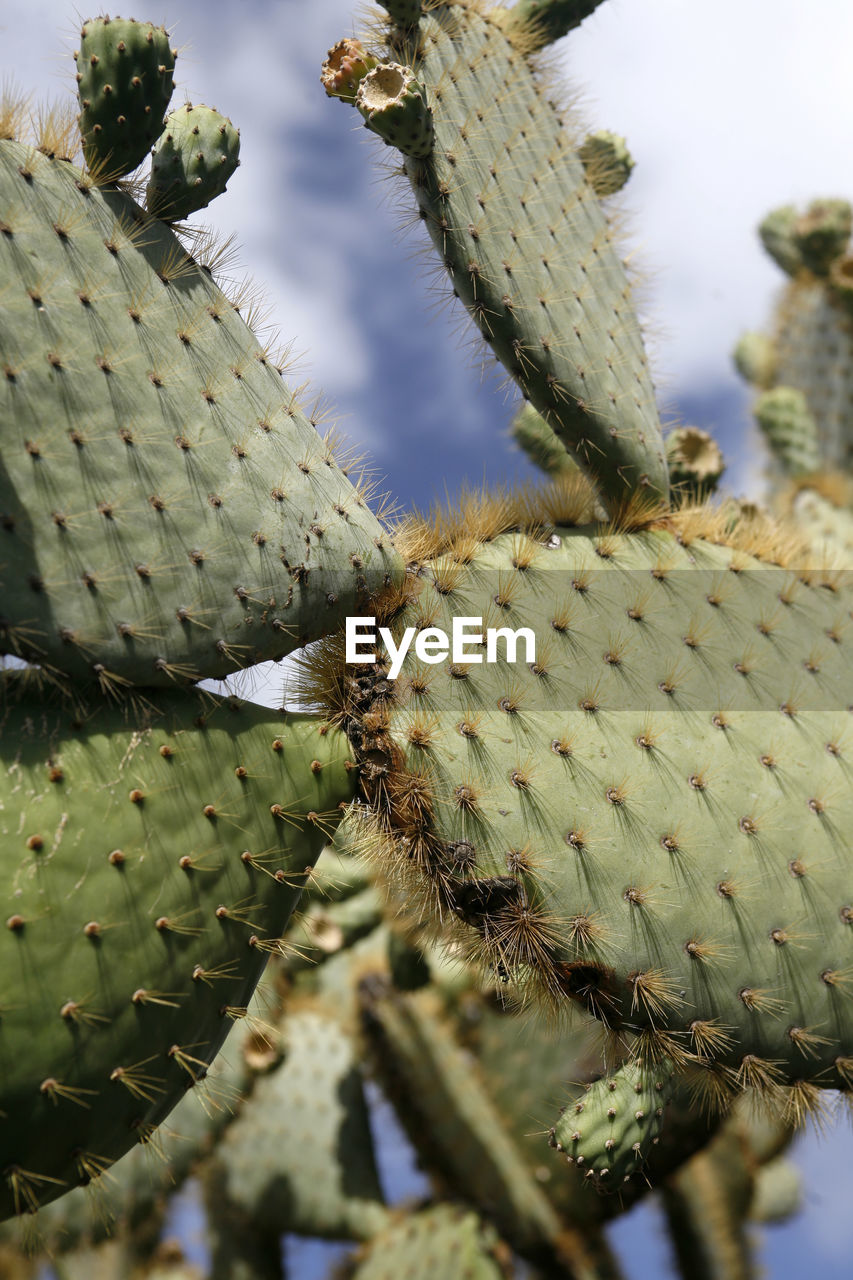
x=167, y=509
x=150, y=869
x=195, y=156
x=504, y=195
x=125, y=78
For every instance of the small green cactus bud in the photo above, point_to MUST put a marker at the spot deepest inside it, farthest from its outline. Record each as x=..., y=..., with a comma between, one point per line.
x=607, y=161
x=822, y=234
x=124, y=83
x=610, y=1131
x=403, y=13
x=777, y=236
x=192, y=162
x=789, y=428
x=695, y=463
x=394, y=106
x=755, y=359
x=346, y=65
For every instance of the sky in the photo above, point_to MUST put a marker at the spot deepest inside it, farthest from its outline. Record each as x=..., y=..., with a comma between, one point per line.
x=730, y=107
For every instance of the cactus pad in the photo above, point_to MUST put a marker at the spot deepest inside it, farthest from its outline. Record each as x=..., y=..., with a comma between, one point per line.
x=144, y=430
x=148, y=873
x=194, y=157
x=124, y=82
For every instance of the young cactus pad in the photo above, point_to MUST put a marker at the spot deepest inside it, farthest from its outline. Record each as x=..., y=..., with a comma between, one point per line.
x=648, y=816
x=148, y=873
x=145, y=430
x=523, y=234
x=124, y=82
x=194, y=157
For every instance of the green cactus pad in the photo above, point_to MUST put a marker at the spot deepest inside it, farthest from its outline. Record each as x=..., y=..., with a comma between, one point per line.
x=543, y=447
x=403, y=13
x=695, y=463
x=442, y=1241
x=598, y=816
x=300, y=1157
x=790, y=430
x=395, y=106
x=525, y=240
x=607, y=161
x=612, y=1129
x=145, y=431
x=534, y=23
x=755, y=359
x=193, y=159
x=124, y=82
x=149, y=868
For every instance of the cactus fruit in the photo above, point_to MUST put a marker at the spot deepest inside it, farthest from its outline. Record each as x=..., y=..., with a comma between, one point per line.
x=822, y=233
x=527, y=244
x=395, y=106
x=695, y=463
x=150, y=869
x=346, y=65
x=145, y=430
x=606, y=160
x=192, y=161
x=124, y=82
x=755, y=359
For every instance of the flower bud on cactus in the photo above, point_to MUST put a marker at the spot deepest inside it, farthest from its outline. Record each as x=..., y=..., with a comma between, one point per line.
x=394, y=105
x=346, y=65
x=607, y=161
x=192, y=162
x=125, y=80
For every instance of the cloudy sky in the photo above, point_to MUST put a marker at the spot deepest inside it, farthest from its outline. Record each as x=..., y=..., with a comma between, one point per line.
x=729, y=106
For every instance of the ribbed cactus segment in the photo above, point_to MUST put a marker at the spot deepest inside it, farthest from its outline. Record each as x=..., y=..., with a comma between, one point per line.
x=597, y=806
x=396, y=107
x=146, y=431
x=822, y=234
x=300, y=1156
x=149, y=870
x=441, y=1241
x=534, y=23
x=611, y=1130
x=124, y=82
x=529, y=251
x=695, y=461
x=607, y=161
x=706, y=1205
x=790, y=430
x=193, y=159
x=543, y=447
